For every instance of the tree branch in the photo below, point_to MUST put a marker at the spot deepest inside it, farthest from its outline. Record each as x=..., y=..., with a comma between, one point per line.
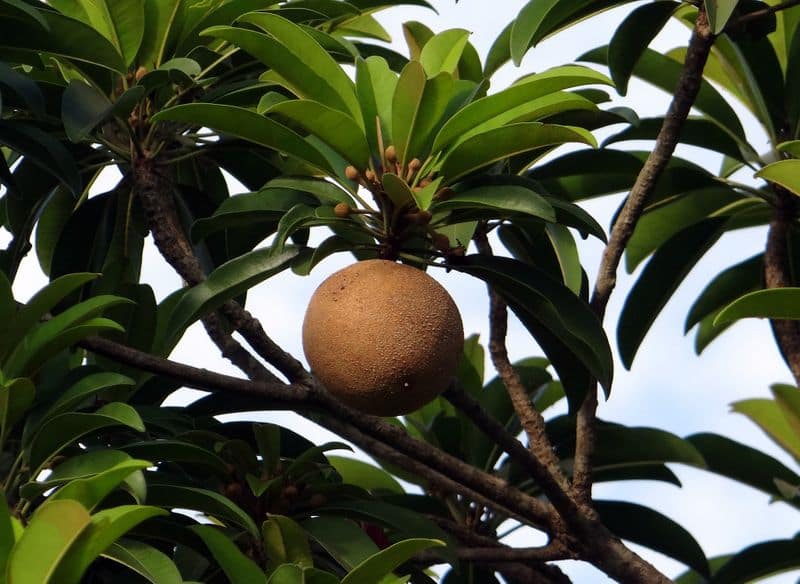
x=684, y=97
x=777, y=274
x=761, y=13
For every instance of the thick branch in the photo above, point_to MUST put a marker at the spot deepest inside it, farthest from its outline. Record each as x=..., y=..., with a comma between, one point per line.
x=777, y=274
x=684, y=97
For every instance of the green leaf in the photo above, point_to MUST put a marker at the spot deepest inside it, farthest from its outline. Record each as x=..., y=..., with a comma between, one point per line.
x=563, y=324
x=768, y=415
x=244, y=123
x=227, y=281
x=375, y=86
x=364, y=475
x=493, y=145
x=381, y=564
x=286, y=542
x=719, y=12
x=159, y=19
x=145, y=560
x=507, y=200
x=788, y=397
x=726, y=287
x=742, y=463
x=177, y=451
x=294, y=574
x=52, y=530
x=792, y=148
x=397, y=190
x=16, y=397
x=785, y=173
x=442, y=53
x=342, y=538
x=83, y=107
x=208, y=502
x=120, y=21
x=77, y=467
x=105, y=528
x=237, y=567
x=633, y=36
x=19, y=10
x=63, y=430
x=7, y=538
x=777, y=303
x=87, y=386
x=299, y=59
x=759, y=561
x=12, y=81
x=91, y=491
x=336, y=129
x=659, y=280
x=488, y=112
x=644, y=526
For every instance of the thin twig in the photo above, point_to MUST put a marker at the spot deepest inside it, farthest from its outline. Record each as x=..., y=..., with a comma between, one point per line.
x=761, y=13
x=684, y=97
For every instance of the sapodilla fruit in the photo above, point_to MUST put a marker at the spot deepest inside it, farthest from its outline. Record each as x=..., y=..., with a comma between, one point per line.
x=384, y=338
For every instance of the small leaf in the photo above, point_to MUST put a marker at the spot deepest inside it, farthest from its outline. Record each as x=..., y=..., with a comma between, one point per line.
x=776, y=303
x=381, y=564
x=237, y=567
x=785, y=173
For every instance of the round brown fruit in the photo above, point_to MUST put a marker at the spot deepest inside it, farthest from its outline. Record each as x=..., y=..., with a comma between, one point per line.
x=383, y=337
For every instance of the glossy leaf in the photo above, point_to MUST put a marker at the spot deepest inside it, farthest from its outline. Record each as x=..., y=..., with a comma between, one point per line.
x=62, y=431
x=53, y=529
x=364, y=475
x=286, y=542
x=177, y=451
x=106, y=526
x=336, y=129
x=375, y=86
x=506, y=200
x=244, y=123
x=785, y=173
x=381, y=564
x=7, y=538
x=91, y=491
x=759, y=561
x=660, y=278
x=226, y=282
x=633, y=36
x=644, y=526
x=237, y=567
x=442, y=52
x=294, y=574
x=208, y=502
x=145, y=560
x=87, y=386
x=482, y=112
x=719, y=12
x=562, y=323
x=493, y=145
x=16, y=397
x=342, y=538
x=777, y=303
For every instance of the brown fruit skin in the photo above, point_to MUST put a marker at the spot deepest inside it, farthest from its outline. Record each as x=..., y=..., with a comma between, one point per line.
x=384, y=338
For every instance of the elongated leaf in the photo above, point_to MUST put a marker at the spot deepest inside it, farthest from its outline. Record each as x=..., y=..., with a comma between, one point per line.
x=483, y=111
x=12, y=81
x=622, y=446
x=381, y=564
x=247, y=124
x=488, y=147
x=286, y=542
x=777, y=303
x=297, y=57
x=726, y=287
x=86, y=387
x=150, y=563
x=65, y=37
x=294, y=574
x=82, y=108
x=742, y=463
x=375, y=85
x=76, y=467
x=442, y=53
x=509, y=199
x=342, y=538
x=177, y=451
x=208, y=502
x=53, y=529
x=365, y=475
x=660, y=278
x=105, y=528
x=16, y=397
x=785, y=173
x=226, y=282
x=768, y=415
x=633, y=36
x=562, y=323
x=758, y=561
x=336, y=129
x=7, y=538
x=719, y=12
x=651, y=529
x=63, y=430
x=237, y=567
x=91, y=491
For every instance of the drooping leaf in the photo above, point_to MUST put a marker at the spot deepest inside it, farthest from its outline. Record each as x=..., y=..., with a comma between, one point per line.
x=150, y=563
x=237, y=567
x=341, y=538
x=719, y=12
x=91, y=491
x=785, y=173
x=759, y=561
x=365, y=475
x=507, y=199
x=16, y=397
x=286, y=542
x=776, y=303
x=633, y=36
x=768, y=415
x=660, y=278
x=651, y=529
x=208, y=502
